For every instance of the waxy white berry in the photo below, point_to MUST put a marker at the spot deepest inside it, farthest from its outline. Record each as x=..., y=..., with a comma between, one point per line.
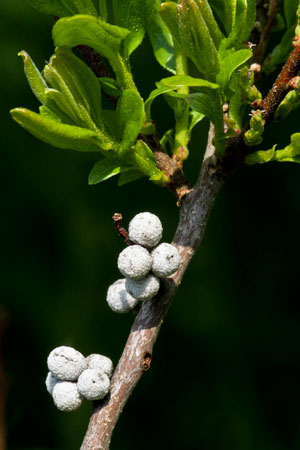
x=93, y=384
x=118, y=299
x=66, y=363
x=145, y=229
x=66, y=396
x=166, y=260
x=143, y=289
x=101, y=363
x=50, y=382
x=134, y=262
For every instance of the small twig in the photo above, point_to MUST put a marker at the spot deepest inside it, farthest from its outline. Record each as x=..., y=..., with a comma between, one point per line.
x=265, y=19
x=172, y=167
x=117, y=218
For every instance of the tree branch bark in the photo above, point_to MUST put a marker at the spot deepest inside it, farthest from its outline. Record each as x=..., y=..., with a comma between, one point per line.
x=137, y=354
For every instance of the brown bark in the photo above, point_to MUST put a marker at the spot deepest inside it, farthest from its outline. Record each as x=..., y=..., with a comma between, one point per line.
x=137, y=354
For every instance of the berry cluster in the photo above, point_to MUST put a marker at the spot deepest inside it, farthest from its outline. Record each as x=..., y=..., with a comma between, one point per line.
x=73, y=377
x=143, y=264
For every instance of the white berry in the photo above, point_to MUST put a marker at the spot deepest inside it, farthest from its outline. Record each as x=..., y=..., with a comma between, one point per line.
x=50, y=382
x=118, y=299
x=134, y=262
x=101, y=363
x=143, y=289
x=145, y=229
x=66, y=363
x=166, y=260
x=66, y=396
x=93, y=384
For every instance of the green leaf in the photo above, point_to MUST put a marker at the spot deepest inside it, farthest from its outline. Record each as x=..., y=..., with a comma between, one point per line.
x=103, y=10
x=179, y=81
x=155, y=93
x=195, y=117
x=203, y=104
x=159, y=34
x=81, y=80
x=130, y=113
x=130, y=14
x=104, y=169
x=225, y=10
x=210, y=106
x=230, y=64
x=46, y=112
x=240, y=24
x=210, y=21
x=106, y=39
x=196, y=40
x=143, y=160
x=34, y=77
x=290, y=9
x=62, y=8
x=128, y=177
x=168, y=12
x=109, y=86
x=57, y=134
x=291, y=153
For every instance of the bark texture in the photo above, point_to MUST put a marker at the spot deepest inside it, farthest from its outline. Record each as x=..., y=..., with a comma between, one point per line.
x=137, y=354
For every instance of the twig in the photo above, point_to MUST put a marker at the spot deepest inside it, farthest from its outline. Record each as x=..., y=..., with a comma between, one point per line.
x=282, y=85
x=117, y=218
x=137, y=354
x=265, y=19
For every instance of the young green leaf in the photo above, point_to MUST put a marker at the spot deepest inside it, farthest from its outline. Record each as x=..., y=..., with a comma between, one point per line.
x=143, y=160
x=34, y=77
x=103, y=10
x=290, y=9
x=62, y=8
x=130, y=14
x=130, y=114
x=159, y=34
x=179, y=81
x=168, y=12
x=196, y=40
x=104, y=169
x=230, y=64
x=57, y=134
x=240, y=24
x=210, y=106
x=106, y=39
x=155, y=93
x=109, y=86
x=81, y=81
x=210, y=21
x=225, y=10
x=291, y=153
x=47, y=112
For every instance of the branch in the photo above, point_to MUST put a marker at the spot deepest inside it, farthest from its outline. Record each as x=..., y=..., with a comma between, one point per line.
x=282, y=85
x=137, y=354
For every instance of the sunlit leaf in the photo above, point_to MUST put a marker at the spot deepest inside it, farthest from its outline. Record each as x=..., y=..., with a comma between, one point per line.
x=106, y=39
x=34, y=77
x=57, y=134
x=130, y=113
x=104, y=169
x=62, y=8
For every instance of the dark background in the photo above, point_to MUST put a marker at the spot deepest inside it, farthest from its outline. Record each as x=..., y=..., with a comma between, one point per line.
x=226, y=367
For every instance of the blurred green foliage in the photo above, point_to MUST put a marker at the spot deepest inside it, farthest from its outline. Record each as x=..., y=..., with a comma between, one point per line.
x=226, y=367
